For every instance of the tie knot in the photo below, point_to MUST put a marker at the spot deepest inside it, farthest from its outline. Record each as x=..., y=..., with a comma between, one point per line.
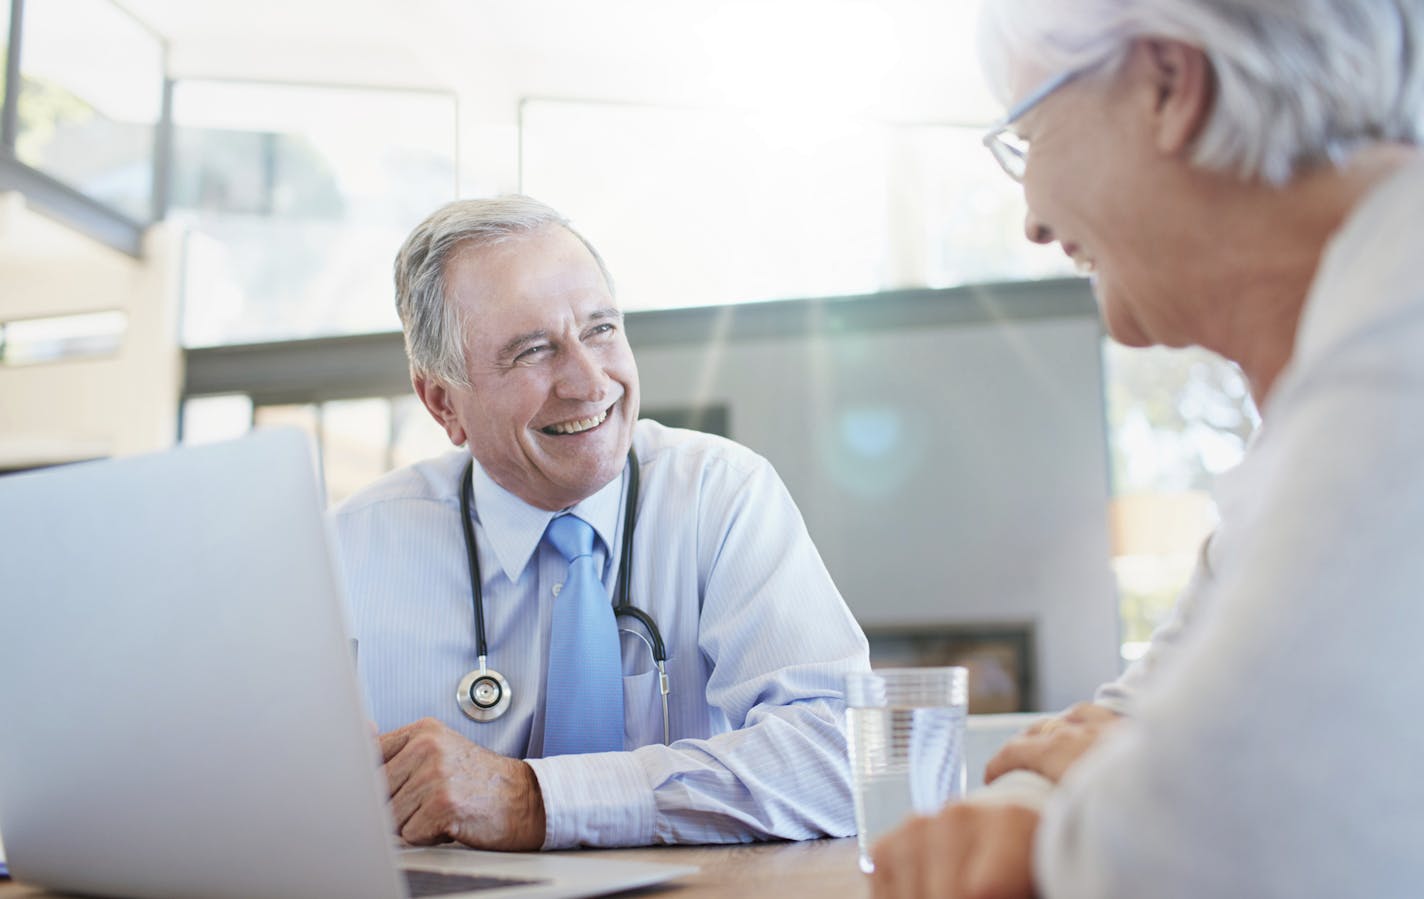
x=571, y=536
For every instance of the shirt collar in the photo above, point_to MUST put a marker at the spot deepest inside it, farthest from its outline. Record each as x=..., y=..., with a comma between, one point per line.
x=514, y=528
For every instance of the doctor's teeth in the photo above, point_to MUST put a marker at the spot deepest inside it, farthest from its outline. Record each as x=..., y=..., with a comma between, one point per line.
x=574, y=427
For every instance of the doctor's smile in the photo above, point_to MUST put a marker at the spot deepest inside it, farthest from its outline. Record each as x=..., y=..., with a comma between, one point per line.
x=577, y=425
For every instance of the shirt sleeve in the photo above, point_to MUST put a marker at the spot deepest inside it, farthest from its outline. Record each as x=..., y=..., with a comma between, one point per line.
x=779, y=641
x=1272, y=759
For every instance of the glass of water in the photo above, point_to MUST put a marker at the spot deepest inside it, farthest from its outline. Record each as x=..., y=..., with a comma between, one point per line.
x=906, y=745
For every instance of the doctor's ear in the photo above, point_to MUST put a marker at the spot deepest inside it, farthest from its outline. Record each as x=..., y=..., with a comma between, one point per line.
x=438, y=400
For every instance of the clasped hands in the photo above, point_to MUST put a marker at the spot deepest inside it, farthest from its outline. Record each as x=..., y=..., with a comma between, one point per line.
x=445, y=787
x=972, y=850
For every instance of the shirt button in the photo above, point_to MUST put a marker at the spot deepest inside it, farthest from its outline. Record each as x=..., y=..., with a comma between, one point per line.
x=557, y=588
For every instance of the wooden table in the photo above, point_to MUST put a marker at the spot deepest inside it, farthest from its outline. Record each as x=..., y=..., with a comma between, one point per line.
x=825, y=869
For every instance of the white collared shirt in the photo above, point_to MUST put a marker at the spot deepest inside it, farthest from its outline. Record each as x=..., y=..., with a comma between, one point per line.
x=758, y=640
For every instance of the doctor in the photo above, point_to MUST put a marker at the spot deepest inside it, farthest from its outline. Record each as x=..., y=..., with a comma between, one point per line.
x=519, y=708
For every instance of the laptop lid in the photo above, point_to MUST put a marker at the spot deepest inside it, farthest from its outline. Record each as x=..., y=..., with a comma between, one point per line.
x=180, y=710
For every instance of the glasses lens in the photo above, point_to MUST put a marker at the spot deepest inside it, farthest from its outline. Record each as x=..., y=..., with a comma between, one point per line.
x=1011, y=151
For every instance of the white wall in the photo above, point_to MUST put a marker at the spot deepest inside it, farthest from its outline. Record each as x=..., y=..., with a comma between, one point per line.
x=949, y=474
x=127, y=403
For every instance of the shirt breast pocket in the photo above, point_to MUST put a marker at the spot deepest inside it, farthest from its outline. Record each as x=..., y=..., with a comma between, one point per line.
x=642, y=710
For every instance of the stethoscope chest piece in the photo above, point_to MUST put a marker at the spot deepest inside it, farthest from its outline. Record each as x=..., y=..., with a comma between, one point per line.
x=483, y=694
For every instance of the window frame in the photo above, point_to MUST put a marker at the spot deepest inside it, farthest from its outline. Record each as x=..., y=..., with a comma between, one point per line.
x=62, y=201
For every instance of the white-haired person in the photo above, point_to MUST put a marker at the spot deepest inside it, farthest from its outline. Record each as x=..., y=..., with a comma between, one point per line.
x=1241, y=175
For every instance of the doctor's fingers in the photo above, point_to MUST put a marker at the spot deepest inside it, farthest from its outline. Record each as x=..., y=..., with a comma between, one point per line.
x=435, y=784
x=394, y=741
x=426, y=753
x=425, y=813
x=435, y=806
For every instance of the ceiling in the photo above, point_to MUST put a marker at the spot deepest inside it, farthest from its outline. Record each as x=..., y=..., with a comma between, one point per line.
x=895, y=60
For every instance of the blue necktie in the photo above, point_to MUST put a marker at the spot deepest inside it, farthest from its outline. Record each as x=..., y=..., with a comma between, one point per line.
x=583, y=705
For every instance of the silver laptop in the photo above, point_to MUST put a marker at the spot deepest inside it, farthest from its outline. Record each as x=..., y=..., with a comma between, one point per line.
x=179, y=709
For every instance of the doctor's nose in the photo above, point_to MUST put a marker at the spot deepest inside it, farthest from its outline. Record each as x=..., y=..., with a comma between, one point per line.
x=581, y=377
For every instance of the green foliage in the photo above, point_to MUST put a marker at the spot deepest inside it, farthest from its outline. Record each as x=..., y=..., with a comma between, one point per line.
x=44, y=108
x=1176, y=418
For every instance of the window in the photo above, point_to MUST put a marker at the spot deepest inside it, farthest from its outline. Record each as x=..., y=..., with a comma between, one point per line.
x=1177, y=419
x=61, y=338
x=296, y=199
x=358, y=440
x=697, y=207
x=91, y=95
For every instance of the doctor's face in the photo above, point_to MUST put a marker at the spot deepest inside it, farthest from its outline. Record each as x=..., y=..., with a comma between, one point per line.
x=553, y=392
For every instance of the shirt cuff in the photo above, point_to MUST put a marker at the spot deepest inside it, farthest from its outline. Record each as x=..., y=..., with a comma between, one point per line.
x=598, y=799
x=1026, y=788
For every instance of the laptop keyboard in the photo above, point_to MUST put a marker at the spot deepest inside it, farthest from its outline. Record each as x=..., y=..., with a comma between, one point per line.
x=434, y=883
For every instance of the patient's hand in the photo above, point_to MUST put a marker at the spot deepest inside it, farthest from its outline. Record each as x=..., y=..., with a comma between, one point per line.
x=1050, y=747
x=964, y=850
x=444, y=787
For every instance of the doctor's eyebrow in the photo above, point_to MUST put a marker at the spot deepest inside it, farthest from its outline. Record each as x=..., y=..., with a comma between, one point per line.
x=516, y=343
x=519, y=341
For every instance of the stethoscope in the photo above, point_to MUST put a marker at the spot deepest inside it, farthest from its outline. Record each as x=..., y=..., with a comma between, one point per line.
x=484, y=694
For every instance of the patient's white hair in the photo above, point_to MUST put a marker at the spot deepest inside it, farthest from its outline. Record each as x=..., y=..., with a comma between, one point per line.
x=434, y=332
x=1298, y=83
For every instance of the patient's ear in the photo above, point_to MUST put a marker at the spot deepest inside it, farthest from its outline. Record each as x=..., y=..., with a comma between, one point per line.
x=1183, y=89
x=439, y=401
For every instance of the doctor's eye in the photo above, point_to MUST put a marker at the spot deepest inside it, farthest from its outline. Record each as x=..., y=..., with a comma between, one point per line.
x=532, y=354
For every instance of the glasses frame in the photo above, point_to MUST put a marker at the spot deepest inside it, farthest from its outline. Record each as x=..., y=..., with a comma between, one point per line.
x=1010, y=158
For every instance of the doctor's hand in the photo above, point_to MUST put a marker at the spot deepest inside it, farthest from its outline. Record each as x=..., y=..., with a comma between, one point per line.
x=1050, y=747
x=965, y=850
x=444, y=787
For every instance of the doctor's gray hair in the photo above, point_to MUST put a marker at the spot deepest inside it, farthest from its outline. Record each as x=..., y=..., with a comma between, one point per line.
x=1298, y=83
x=434, y=331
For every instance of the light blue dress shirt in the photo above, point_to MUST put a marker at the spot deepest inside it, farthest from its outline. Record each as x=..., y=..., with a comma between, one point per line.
x=759, y=641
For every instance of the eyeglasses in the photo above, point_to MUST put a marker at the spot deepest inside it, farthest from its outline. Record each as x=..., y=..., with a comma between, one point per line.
x=1009, y=150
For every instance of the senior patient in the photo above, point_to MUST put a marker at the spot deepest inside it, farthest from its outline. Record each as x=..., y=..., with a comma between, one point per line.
x=520, y=709
x=1239, y=174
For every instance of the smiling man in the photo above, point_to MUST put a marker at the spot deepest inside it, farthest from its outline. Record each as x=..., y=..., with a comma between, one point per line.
x=582, y=629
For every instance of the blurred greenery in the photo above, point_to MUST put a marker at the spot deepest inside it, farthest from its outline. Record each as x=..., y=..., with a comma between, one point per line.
x=1176, y=420
x=43, y=109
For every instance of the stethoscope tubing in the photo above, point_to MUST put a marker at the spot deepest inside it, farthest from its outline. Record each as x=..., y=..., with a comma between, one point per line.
x=491, y=682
